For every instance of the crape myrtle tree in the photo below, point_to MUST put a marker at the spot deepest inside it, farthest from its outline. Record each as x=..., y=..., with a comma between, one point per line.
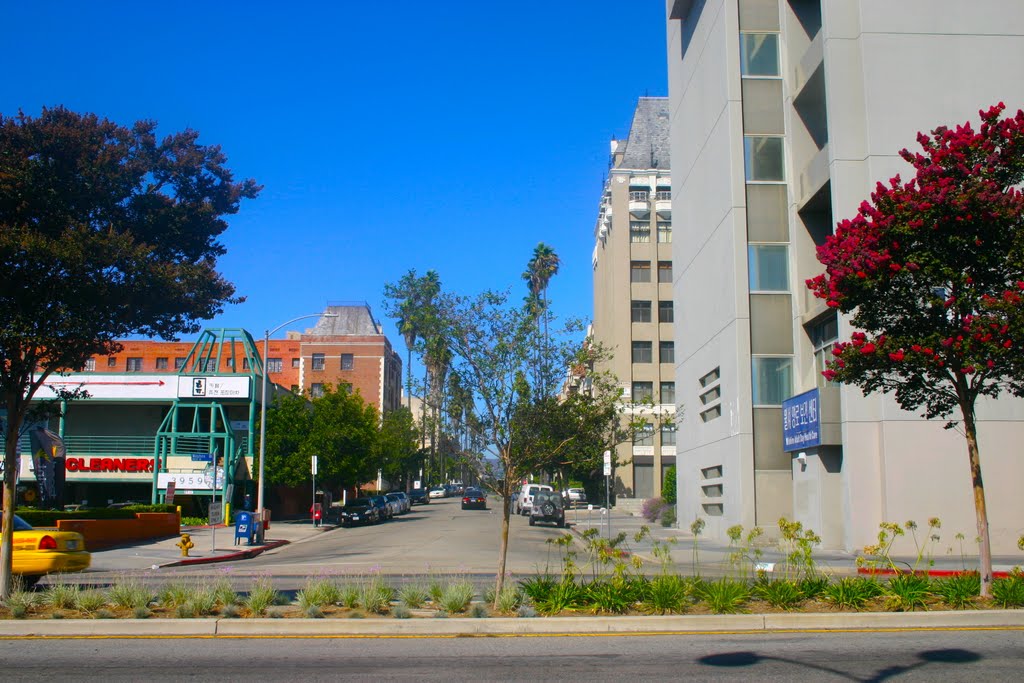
x=932, y=273
x=105, y=232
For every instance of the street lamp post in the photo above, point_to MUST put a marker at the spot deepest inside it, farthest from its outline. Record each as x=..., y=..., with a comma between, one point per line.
x=263, y=408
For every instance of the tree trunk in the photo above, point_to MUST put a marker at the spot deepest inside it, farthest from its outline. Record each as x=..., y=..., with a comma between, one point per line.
x=984, y=544
x=408, y=381
x=503, y=546
x=10, y=477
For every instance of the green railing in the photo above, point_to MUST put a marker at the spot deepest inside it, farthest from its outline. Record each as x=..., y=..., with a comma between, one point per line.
x=102, y=445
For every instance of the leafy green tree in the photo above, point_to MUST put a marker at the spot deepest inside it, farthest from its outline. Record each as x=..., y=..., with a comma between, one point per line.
x=543, y=266
x=105, y=232
x=932, y=272
x=396, y=450
x=339, y=427
x=668, y=487
x=409, y=302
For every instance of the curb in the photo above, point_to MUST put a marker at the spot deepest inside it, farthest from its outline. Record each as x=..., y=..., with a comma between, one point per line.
x=512, y=626
x=938, y=573
x=240, y=555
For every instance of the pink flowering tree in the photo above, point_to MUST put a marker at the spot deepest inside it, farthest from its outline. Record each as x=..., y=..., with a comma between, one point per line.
x=932, y=271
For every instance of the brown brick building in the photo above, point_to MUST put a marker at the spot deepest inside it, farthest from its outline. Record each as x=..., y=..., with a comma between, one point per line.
x=349, y=348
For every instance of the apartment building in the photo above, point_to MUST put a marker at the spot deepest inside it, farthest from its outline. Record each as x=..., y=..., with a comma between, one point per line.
x=633, y=307
x=785, y=113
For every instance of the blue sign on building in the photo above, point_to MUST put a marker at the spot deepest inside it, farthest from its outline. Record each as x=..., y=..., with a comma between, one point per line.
x=202, y=457
x=801, y=422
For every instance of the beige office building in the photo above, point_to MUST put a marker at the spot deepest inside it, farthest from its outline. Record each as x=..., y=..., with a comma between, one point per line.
x=784, y=115
x=633, y=308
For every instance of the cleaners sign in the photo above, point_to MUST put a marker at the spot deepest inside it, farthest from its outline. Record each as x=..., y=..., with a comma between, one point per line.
x=801, y=421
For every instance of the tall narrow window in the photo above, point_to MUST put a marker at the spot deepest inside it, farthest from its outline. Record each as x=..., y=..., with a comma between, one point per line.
x=347, y=362
x=762, y=157
x=772, y=379
x=134, y=365
x=644, y=436
x=668, y=393
x=769, y=268
x=639, y=231
x=665, y=272
x=274, y=365
x=759, y=54
x=316, y=390
x=318, y=361
x=112, y=362
x=296, y=363
x=161, y=363
x=668, y=434
x=179, y=363
x=665, y=233
x=824, y=336
x=640, y=311
x=642, y=351
x=643, y=392
x=90, y=365
x=666, y=352
x=666, y=313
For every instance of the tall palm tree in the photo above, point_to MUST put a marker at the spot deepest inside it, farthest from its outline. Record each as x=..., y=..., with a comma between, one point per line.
x=539, y=271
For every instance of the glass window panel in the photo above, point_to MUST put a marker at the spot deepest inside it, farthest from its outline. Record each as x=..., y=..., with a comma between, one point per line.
x=762, y=157
x=640, y=271
x=665, y=233
x=640, y=311
x=772, y=380
x=642, y=351
x=668, y=393
x=666, y=313
x=347, y=361
x=318, y=361
x=666, y=352
x=769, y=267
x=668, y=434
x=665, y=271
x=759, y=54
x=639, y=232
x=643, y=391
x=644, y=436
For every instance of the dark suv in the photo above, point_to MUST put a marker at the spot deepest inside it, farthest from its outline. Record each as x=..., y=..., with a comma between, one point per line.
x=548, y=507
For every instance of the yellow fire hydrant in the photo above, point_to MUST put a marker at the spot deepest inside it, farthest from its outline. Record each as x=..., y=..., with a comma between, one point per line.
x=185, y=544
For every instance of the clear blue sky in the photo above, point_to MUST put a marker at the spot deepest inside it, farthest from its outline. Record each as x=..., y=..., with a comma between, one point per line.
x=451, y=135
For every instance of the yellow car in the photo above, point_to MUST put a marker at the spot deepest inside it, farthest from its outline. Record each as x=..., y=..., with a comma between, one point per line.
x=46, y=551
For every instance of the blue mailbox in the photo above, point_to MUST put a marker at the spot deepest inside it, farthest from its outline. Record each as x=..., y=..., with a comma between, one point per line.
x=245, y=527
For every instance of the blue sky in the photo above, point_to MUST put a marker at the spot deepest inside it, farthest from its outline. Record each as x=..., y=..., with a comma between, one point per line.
x=388, y=135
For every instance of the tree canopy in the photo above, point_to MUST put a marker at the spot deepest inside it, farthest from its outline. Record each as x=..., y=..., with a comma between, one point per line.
x=105, y=232
x=932, y=273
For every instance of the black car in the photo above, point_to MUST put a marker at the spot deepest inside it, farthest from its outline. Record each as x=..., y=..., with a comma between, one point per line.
x=360, y=511
x=474, y=498
x=419, y=497
x=548, y=507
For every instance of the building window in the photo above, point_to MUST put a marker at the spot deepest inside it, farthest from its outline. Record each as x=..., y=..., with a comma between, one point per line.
x=347, y=361
x=762, y=157
x=296, y=363
x=759, y=54
x=245, y=363
x=643, y=392
x=769, y=267
x=134, y=365
x=161, y=363
x=638, y=195
x=666, y=313
x=665, y=233
x=663, y=194
x=640, y=311
x=90, y=365
x=666, y=352
x=668, y=393
x=316, y=390
x=668, y=434
x=275, y=365
x=179, y=363
x=230, y=362
x=318, y=361
x=824, y=336
x=639, y=232
x=642, y=351
x=111, y=362
x=639, y=271
x=644, y=436
x=665, y=272
x=772, y=380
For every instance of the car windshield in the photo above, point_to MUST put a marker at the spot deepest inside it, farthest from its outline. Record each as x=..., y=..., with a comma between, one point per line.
x=359, y=503
x=544, y=496
x=21, y=525
x=474, y=492
x=393, y=496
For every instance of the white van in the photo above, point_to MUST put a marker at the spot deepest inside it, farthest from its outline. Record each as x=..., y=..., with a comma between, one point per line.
x=526, y=494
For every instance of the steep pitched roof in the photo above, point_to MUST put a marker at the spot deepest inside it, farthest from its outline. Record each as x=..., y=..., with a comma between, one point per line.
x=648, y=145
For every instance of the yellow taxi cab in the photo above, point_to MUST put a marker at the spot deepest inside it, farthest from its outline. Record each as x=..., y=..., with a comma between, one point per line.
x=46, y=551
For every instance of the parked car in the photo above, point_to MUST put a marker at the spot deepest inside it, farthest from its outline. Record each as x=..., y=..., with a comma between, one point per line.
x=438, y=492
x=45, y=551
x=548, y=507
x=575, y=497
x=384, y=509
x=419, y=497
x=359, y=511
x=398, y=501
x=526, y=495
x=474, y=498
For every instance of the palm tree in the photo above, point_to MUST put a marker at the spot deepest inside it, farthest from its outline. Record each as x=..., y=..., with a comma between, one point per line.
x=539, y=271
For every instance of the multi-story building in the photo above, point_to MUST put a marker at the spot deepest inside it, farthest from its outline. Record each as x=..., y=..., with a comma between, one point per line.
x=346, y=348
x=785, y=113
x=633, y=307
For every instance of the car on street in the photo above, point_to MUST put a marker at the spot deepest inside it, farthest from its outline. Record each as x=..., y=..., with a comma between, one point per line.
x=548, y=508
x=359, y=511
x=526, y=495
x=38, y=552
x=438, y=492
x=399, y=501
x=575, y=497
x=419, y=497
x=474, y=499
x=384, y=509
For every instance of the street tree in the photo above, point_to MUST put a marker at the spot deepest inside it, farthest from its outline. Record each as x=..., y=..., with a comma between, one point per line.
x=397, y=452
x=931, y=271
x=543, y=266
x=409, y=302
x=105, y=232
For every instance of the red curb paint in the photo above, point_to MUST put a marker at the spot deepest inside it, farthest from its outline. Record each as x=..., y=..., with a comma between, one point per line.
x=940, y=573
x=241, y=555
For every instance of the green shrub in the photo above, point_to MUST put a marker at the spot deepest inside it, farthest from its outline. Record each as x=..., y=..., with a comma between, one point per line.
x=960, y=591
x=907, y=592
x=1009, y=592
x=851, y=592
x=667, y=594
x=479, y=611
x=104, y=613
x=401, y=612
x=413, y=595
x=376, y=596
x=509, y=599
x=318, y=592
x=725, y=596
x=230, y=611
x=813, y=586
x=173, y=594
x=261, y=596
x=348, y=596
x=566, y=594
x=224, y=593
x=608, y=597
x=779, y=593
x=203, y=601
x=20, y=603
x=668, y=486
x=91, y=600
x=537, y=588
x=668, y=517
x=141, y=612
x=313, y=612
x=129, y=594
x=61, y=596
x=457, y=596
